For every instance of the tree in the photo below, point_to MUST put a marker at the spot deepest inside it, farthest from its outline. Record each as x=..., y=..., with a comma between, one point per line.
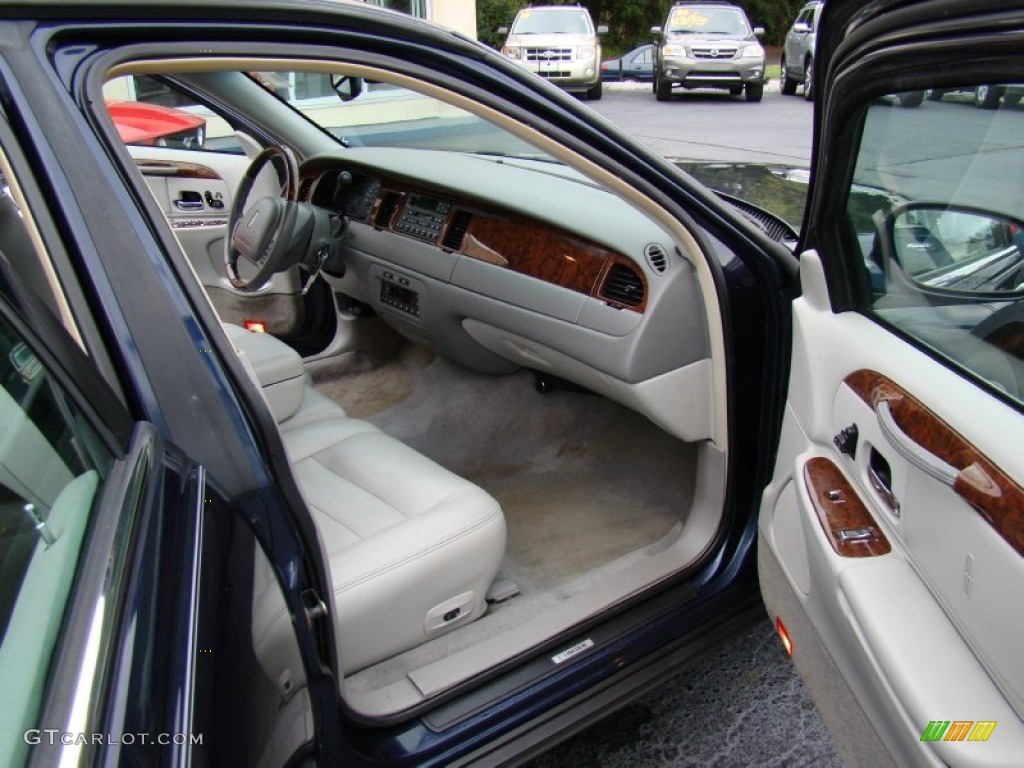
x=491, y=14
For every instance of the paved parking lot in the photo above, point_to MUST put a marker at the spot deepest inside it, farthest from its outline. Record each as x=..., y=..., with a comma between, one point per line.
x=743, y=705
x=714, y=127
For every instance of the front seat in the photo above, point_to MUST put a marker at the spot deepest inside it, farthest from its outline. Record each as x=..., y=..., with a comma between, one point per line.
x=411, y=547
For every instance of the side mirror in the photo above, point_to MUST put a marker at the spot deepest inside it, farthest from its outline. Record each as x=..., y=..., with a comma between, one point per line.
x=801, y=27
x=501, y=31
x=957, y=249
x=758, y=31
x=602, y=29
x=346, y=86
x=655, y=30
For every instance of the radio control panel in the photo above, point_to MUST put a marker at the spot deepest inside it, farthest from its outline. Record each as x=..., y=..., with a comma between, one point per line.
x=423, y=217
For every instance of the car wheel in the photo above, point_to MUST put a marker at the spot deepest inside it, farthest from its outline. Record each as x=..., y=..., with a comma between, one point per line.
x=934, y=94
x=910, y=99
x=1012, y=99
x=787, y=83
x=595, y=93
x=663, y=90
x=809, y=80
x=986, y=97
x=755, y=91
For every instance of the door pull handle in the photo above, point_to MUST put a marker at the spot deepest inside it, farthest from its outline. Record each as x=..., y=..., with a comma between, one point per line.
x=925, y=461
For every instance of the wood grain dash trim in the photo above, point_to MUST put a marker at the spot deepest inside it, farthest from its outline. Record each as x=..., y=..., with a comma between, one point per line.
x=535, y=249
x=840, y=509
x=986, y=487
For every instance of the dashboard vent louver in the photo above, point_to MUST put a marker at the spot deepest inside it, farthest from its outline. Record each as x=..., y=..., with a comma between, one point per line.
x=386, y=211
x=657, y=258
x=623, y=286
x=457, y=230
x=304, y=189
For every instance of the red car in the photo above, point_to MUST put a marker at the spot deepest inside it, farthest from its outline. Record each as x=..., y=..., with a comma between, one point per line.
x=152, y=125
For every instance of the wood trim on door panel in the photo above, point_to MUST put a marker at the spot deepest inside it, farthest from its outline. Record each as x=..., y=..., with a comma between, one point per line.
x=175, y=168
x=997, y=497
x=840, y=510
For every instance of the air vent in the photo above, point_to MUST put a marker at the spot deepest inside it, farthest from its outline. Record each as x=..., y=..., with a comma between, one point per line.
x=386, y=211
x=304, y=189
x=457, y=230
x=623, y=286
x=657, y=258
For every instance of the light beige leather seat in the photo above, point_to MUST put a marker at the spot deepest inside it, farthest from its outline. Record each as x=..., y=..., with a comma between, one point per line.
x=411, y=547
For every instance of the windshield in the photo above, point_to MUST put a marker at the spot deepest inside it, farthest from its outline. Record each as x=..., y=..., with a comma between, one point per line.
x=386, y=115
x=708, y=21
x=551, y=22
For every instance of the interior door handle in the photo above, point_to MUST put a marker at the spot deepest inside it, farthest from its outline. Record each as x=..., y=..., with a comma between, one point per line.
x=925, y=461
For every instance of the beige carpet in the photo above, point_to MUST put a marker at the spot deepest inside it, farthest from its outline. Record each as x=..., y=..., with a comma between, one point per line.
x=581, y=480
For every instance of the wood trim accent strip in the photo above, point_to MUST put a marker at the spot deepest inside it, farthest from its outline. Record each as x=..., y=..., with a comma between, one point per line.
x=537, y=250
x=987, y=488
x=848, y=525
x=175, y=168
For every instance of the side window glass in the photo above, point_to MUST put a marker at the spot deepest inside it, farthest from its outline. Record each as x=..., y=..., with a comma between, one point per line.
x=148, y=112
x=938, y=211
x=51, y=467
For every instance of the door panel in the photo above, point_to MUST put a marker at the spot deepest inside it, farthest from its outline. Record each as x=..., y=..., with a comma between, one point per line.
x=195, y=190
x=915, y=582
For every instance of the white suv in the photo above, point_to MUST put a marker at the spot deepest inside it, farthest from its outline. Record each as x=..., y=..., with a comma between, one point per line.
x=559, y=43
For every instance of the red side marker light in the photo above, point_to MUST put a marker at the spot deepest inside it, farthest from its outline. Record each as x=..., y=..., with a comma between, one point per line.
x=784, y=636
x=256, y=326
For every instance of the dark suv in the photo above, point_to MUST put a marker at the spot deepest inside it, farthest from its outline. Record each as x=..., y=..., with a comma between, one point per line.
x=708, y=45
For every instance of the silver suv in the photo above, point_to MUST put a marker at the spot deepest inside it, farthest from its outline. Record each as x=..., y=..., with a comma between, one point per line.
x=708, y=45
x=559, y=43
x=798, y=51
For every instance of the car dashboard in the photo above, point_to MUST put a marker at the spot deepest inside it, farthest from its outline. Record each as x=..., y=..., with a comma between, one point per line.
x=499, y=264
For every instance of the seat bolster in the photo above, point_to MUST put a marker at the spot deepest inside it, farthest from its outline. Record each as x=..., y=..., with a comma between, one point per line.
x=390, y=587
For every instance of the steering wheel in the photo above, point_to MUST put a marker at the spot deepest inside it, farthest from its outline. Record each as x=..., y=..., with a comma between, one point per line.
x=262, y=234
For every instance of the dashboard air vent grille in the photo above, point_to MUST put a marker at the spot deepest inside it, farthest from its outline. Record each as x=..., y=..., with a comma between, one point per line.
x=304, y=189
x=457, y=230
x=623, y=286
x=386, y=211
x=657, y=258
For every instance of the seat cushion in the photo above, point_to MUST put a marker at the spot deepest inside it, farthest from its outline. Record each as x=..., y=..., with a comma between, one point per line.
x=412, y=547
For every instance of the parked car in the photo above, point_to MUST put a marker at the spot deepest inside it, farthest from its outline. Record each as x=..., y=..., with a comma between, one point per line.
x=152, y=125
x=536, y=413
x=708, y=45
x=798, y=51
x=985, y=96
x=560, y=43
x=636, y=65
